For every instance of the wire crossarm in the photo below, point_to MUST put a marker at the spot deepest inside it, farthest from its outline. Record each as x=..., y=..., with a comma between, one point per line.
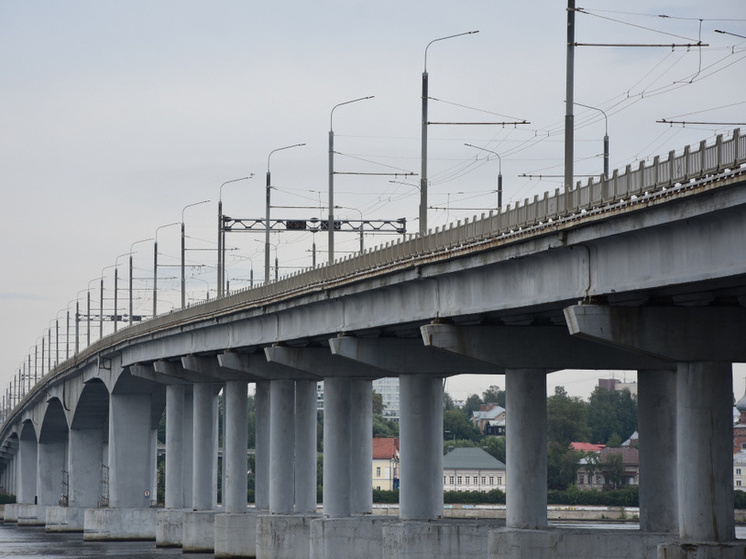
x=315, y=225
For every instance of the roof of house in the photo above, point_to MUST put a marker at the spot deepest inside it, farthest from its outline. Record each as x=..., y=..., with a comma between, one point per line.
x=739, y=458
x=471, y=459
x=630, y=454
x=488, y=411
x=385, y=448
x=587, y=447
x=633, y=439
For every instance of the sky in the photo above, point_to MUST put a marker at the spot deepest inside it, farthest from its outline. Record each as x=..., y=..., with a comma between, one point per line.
x=118, y=118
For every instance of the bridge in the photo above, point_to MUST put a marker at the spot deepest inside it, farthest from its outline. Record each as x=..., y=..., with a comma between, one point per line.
x=643, y=271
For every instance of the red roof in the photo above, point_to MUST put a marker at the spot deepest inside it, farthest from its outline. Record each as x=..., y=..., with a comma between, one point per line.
x=587, y=447
x=385, y=448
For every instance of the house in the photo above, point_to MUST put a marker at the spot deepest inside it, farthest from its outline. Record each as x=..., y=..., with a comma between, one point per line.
x=472, y=469
x=385, y=463
x=739, y=471
x=599, y=475
x=490, y=419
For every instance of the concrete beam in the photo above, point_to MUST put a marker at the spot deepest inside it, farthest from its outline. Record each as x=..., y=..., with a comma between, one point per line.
x=210, y=367
x=256, y=365
x=532, y=347
x=406, y=356
x=320, y=362
x=147, y=372
x=679, y=334
x=174, y=371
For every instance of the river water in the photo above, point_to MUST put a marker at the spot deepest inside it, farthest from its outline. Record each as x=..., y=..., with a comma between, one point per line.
x=30, y=543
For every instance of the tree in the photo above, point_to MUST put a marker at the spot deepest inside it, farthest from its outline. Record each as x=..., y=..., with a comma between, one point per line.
x=611, y=411
x=472, y=404
x=614, y=465
x=495, y=446
x=377, y=403
x=493, y=395
x=615, y=441
x=458, y=426
x=562, y=465
x=448, y=403
x=566, y=418
x=383, y=427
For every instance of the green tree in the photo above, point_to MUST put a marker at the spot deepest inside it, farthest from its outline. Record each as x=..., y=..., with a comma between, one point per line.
x=566, y=419
x=456, y=423
x=494, y=446
x=611, y=411
x=448, y=403
x=615, y=441
x=472, y=404
x=493, y=395
x=377, y=403
x=383, y=427
x=615, y=468
x=562, y=465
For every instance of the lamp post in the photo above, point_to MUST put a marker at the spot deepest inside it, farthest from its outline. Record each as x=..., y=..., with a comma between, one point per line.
x=423, y=161
x=266, y=223
x=569, y=100
x=116, y=290
x=221, y=236
x=331, y=173
x=606, y=137
x=155, y=267
x=499, y=174
x=183, y=252
x=101, y=303
x=130, y=282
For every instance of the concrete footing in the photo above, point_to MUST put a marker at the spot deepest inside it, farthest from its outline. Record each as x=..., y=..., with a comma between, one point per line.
x=65, y=519
x=561, y=543
x=199, y=531
x=284, y=536
x=438, y=539
x=235, y=535
x=359, y=537
x=32, y=515
x=169, y=527
x=119, y=524
x=10, y=514
x=678, y=550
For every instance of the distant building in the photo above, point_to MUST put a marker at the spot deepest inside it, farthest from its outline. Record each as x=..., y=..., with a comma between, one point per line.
x=385, y=463
x=587, y=447
x=388, y=388
x=613, y=384
x=598, y=476
x=739, y=429
x=739, y=471
x=490, y=419
x=472, y=469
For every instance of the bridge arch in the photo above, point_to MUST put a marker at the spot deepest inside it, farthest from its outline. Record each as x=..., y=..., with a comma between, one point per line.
x=27, y=464
x=52, y=455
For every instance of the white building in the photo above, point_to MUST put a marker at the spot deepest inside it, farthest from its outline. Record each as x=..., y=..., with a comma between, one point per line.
x=472, y=469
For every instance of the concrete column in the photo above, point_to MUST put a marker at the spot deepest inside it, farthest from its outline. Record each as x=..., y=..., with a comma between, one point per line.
x=261, y=475
x=526, y=450
x=361, y=451
x=86, y=446
x=305, y=446
x=421, y=455
x=656, y=418
x=704, y=422
x=51, y=461
x=282, y=450
x=175, y=447
x=130, y=451
x=205, y=459
x=235, y=444
x=337, y=447
x=26, y=467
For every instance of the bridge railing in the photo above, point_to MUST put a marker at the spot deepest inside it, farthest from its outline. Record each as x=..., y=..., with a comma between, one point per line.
x=677, y=169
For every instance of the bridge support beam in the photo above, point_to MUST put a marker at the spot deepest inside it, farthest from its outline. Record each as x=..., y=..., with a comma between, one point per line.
x=526, y=451
x=421, y=455
x=347, y=457
x=205, y=455
x=261, y=477
x=236, y=440
x=656, y=413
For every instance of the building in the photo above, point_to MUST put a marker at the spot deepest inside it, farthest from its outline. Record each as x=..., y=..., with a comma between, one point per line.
x=385, y=463
x=597, y=474
x=613, y=384
x=739, y=471
x=388, y=388
x=490, y=419
x=739, y=428
x=472, y=469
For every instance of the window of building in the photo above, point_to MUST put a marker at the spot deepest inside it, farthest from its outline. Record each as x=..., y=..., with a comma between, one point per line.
x=444, y=480
x=598, y=480
x=738, y=483
x=467, y=479
x=492, y=480
x=499, y=480
x=378, y=471
x=484, y=480
x=450, y=480
x=738, y=471
x=458, y=480
x=581, y=479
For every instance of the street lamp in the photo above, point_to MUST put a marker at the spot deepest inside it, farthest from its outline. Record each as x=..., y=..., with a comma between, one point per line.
x=130, y=283
x=183, y=252
x=266, y=223
x=331, y=173
x=221, y=236
x=116, y=290
x=606, y=137
x=499, y=174
x=101, y=303
x=423, y=162
x=155, y=266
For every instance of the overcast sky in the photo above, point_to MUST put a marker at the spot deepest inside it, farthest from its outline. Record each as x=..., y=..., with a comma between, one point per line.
x=117, y=115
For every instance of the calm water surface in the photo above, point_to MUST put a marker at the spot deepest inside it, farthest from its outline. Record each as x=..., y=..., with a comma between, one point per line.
x=30, y=543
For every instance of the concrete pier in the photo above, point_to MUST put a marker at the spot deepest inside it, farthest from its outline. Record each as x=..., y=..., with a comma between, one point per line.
x=65, y=519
